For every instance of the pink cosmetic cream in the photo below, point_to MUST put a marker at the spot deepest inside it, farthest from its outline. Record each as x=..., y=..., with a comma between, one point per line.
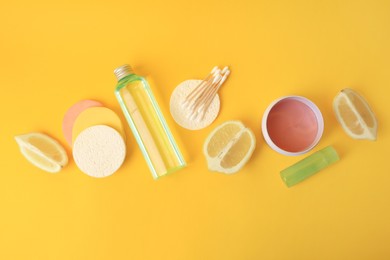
x=292, y=125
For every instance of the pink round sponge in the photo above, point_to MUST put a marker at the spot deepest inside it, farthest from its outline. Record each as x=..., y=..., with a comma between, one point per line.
x=71, y=115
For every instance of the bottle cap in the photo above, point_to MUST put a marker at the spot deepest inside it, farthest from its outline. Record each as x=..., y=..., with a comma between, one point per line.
x=123, y=71
x=330, y=154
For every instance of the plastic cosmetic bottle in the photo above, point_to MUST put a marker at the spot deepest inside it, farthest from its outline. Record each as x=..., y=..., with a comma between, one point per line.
x=147, y=123
x=309, y=166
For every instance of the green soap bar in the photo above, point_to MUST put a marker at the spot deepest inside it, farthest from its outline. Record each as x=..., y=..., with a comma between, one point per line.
x=309, y=166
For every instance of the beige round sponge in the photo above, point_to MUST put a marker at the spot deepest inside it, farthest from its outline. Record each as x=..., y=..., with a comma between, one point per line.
x=99, y=151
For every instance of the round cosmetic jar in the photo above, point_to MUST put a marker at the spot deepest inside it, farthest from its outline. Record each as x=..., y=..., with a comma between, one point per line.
x=292, y=125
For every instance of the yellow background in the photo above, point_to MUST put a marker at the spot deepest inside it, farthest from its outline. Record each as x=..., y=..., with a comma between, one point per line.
x=54, y=54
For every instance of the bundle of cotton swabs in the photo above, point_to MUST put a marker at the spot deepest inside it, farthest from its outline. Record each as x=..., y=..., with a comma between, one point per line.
x=200, y=99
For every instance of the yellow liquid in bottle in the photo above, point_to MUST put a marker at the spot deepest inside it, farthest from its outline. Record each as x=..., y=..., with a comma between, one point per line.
x=150, y=128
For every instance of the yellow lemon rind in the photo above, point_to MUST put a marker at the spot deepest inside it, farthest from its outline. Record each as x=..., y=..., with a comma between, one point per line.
x=214, y=163
x=26, y=148
x=369, y=132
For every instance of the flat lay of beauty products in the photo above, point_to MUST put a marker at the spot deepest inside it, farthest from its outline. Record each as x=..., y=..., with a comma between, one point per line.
x=291, y=125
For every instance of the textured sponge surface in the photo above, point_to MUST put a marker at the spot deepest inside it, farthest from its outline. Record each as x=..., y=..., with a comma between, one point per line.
x=97, y=116
x=99, y=151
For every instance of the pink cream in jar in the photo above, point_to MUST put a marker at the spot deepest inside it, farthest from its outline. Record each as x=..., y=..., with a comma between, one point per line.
x=292, y=125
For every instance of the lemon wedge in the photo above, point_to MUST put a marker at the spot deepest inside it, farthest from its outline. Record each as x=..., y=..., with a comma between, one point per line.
x=229, y=147
x=42, y=151
x=355, y=115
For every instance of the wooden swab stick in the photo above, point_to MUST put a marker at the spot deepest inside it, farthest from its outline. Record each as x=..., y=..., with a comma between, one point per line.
x=219, y=81
x=201, y=86
x=211, y=97
x=200, y=101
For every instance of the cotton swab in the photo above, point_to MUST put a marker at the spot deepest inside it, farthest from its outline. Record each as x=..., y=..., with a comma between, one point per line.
x=201, y=86
x=200, y=99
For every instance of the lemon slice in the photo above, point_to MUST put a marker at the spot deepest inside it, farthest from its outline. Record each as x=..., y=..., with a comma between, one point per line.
x=355, y=115
x=229, y=147
x=42, y=151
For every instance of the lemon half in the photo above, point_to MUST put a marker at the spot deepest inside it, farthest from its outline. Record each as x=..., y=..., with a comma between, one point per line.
x=355, y=115
x=42, y=151
x=229, y=147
